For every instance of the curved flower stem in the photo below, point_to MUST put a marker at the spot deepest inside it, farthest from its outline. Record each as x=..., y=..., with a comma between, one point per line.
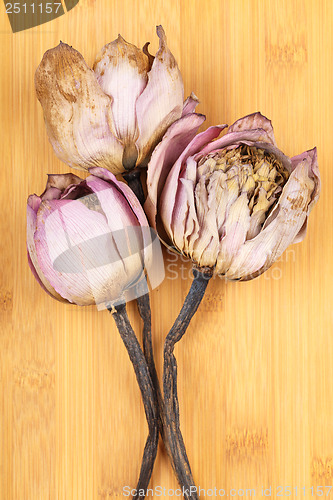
x=172, y=430
x=147, y=391
x=169, y=408
x=133, y=179
x=134, y=182
x=145, y=313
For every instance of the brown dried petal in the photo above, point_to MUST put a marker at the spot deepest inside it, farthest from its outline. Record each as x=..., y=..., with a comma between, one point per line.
x=77, y=113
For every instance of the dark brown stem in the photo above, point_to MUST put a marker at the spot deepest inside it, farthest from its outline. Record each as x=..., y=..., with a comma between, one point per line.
x=134, y=182
x=145, y=313
x=147, y=391
x=133, y=179
x=172, y=430
x=168, y=408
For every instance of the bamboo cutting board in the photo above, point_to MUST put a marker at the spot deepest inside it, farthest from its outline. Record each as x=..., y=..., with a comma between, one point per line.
x=256, y=365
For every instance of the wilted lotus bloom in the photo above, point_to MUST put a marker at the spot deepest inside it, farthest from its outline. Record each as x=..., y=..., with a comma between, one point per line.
x=88, y=240
x=233, y=204
x=113, y=115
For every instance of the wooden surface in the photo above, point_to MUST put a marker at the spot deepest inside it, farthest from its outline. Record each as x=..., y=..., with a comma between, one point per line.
x=256, y=366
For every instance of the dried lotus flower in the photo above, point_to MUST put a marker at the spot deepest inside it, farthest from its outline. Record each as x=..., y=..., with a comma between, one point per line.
x=85, y=238
x=113, y=115
x=234, y=204
x=88, y=242
x=231, y=205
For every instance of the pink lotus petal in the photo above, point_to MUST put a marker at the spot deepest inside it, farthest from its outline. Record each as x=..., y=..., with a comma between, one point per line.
x=252, y=122
x=312, y=159
x=113, y=201
x=236, y=227
x=186, y=191
x=134, y=203
x=121, y=69
x=134, y=211
x=70, y=231
x=205, y=247
x=190, y=104
x=171, y=184
x=34, y=202
x=312, y=156
x=51, y=194
x=176, y=139
x=52, y=294
x=161, y=103
x=32, y=253
x=183, y=203
x=77, y=112
x=233, y=139
x=103, y=173
x=258, y=254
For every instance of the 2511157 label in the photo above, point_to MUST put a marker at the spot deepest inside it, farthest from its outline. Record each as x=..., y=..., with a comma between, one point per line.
x=33, y=7
x=27, y=14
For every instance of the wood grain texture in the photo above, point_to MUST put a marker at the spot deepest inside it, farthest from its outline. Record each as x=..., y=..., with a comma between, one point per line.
x=256, y=366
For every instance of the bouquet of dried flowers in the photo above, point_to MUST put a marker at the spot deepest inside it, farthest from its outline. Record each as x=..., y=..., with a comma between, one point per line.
x=230, y=204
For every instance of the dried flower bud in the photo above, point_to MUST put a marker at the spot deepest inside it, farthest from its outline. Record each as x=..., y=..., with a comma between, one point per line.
x=232, y=204
x=88, y=240
x=114, y=115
